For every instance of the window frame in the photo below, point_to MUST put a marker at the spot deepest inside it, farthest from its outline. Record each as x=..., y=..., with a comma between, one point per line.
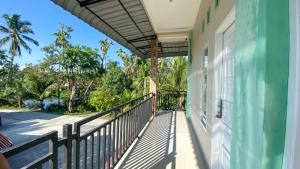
x=217, y=3
x=204, y=86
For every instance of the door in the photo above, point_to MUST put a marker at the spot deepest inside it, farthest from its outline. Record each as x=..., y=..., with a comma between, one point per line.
x=224, y=75
x=227, y=96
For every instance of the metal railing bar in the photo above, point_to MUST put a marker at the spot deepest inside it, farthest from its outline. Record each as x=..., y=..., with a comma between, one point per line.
x=109, y=144
x=139, y=104
x=95, y=116
x=25, y=146
x=62, y=141
x=92, y=151
x=104, y=147
x=84, y=156
x=39, y=162
x=113, y=139
x=98, y=149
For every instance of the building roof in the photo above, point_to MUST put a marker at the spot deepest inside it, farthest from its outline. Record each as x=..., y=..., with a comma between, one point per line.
x=124, y=21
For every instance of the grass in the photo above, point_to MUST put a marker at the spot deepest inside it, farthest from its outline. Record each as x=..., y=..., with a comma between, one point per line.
x=79, y=113
x=7, y=107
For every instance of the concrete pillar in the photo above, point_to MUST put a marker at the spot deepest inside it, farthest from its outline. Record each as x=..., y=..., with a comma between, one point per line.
x=153, y=76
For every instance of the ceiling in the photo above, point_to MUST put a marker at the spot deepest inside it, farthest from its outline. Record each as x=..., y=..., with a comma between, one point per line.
x=169, y=16
x=133, y=23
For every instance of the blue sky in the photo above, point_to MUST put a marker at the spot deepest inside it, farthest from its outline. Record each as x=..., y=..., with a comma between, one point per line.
x=46, y=17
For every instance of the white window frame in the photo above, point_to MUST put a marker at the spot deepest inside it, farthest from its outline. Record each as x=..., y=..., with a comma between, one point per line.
x=203, y=116
x=292, y=139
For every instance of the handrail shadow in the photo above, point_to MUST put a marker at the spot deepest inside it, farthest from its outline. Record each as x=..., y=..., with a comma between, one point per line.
x=156, y=149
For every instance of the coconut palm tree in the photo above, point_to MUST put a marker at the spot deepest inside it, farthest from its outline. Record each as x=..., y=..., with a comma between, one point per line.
x=104, y=46
x=62, y=41
x=16, y=33
x=3, y=57
x=179, y=73
x=129, y=63
x=172, y=73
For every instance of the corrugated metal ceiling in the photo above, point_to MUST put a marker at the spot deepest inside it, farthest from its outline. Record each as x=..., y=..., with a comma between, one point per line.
x=125, y=21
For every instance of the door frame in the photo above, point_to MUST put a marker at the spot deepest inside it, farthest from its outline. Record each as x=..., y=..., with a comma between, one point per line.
x=292, y=149
x=227, y=22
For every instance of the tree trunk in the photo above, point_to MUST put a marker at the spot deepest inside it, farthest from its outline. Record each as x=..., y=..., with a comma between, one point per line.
x=42, y=105
x=58, y=87
x=72, y=97
x=19, y=100
x=88, y=89
x=9, y=78
x=145, y=87
x=102, y=64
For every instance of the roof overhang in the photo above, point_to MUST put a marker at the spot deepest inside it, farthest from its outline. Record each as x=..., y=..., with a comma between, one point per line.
x=131, y=22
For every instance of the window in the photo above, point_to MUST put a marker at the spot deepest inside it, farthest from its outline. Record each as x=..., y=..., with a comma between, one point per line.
x=217, y=3
x=208, y=16
x=204, y=80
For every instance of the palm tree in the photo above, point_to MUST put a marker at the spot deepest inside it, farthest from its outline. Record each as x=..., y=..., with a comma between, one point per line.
x=129, y=63
x=62, y=41
x=179, y=73
x=3, y=57
x=173, y=74
x=104, y=46
x=63, y=36
x=16, y=32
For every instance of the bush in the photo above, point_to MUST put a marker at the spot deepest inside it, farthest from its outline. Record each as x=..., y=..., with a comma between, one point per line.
x=4, y=102
x=103, y=99
x=84, y=108
x=33, y=104
x=56, y=108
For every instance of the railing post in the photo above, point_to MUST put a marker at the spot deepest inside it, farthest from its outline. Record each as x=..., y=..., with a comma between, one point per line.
x=53, y=149
x=77, y=145
x=67, y=148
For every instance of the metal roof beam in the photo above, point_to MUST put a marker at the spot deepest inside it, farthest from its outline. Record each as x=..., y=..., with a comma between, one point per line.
x=145, y=38
x=89, y=2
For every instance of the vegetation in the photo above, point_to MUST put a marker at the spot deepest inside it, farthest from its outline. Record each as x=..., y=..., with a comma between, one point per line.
x=16, y=33
x=76, y=78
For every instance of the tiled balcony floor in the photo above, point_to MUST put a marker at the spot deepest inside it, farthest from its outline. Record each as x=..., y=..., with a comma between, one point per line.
x=167, y=143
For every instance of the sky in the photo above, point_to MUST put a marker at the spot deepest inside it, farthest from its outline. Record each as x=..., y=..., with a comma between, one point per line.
x=45, y=18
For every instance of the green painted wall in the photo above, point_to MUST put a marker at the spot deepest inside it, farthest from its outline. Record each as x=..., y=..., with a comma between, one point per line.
x=261, y=84
x=189, y=76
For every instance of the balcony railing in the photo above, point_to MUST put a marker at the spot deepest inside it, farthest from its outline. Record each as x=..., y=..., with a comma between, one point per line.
x=102, y=146
x=171, y=100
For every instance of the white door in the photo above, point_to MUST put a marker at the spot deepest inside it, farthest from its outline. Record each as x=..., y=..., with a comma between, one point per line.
x=227, y=96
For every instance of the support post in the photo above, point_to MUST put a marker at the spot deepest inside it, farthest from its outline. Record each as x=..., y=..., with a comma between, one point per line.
x=153, y=79
x=67, y=148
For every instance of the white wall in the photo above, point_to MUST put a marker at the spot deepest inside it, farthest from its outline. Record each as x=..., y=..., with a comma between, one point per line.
x=200, y=41
x=292, y=146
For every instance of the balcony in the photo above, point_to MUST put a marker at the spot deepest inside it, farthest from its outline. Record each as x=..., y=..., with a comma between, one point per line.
x=133, y=138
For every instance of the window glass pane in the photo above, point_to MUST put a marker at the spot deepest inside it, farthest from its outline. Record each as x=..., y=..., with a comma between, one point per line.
x=205, y=68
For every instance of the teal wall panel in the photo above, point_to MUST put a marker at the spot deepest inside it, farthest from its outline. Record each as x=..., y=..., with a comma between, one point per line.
x=189, y=76
x=260, y=84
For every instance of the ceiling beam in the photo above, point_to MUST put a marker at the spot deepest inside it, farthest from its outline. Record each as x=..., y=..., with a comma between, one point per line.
x=89, y=2
x=145, y=38
x=161, y=47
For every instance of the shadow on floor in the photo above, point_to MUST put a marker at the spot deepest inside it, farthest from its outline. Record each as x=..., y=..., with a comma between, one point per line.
x=202, y=163
x=157, y=147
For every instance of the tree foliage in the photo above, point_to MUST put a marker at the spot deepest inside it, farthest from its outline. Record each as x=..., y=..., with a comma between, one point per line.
x=80, y=75
x=103, y=99
x=16, y=33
